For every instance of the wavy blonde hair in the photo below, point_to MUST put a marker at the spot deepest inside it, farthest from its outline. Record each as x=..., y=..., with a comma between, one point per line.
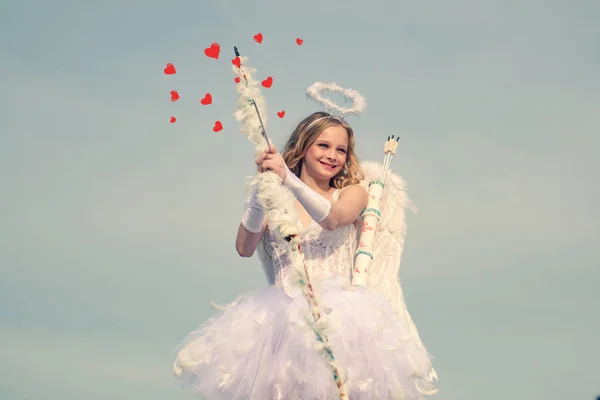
x=306, y=133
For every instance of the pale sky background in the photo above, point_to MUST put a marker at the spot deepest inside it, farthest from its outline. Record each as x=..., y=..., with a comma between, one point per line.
x=117, y=227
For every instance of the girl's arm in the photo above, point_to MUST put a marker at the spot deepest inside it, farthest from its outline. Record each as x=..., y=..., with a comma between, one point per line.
x=346, y=210
x=353, y=200
x=247, y=241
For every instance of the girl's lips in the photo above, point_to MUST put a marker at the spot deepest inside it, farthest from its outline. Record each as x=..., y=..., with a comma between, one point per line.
x=328, y=166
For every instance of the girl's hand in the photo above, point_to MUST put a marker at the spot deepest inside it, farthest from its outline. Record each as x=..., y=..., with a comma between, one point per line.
x=271, y=160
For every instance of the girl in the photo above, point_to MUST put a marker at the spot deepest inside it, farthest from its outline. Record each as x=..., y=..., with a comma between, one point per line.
x=260, y=347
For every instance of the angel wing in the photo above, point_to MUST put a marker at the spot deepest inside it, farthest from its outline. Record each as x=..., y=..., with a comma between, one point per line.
x=389, y=240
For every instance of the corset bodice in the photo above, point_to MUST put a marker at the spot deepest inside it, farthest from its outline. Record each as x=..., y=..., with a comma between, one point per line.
x=326, y=253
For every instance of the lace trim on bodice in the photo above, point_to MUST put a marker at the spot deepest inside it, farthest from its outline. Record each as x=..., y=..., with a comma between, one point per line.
x=326, y=253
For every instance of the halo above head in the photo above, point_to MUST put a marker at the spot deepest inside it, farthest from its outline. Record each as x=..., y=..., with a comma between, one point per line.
x=359, y=103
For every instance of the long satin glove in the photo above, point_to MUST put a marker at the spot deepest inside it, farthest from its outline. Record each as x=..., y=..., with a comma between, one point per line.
x=317, y=206
x=253, y=215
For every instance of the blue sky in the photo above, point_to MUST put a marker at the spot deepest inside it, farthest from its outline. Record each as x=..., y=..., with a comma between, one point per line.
x=118, y=227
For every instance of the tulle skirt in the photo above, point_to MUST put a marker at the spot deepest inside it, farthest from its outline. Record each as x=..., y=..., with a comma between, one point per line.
x=261, y=347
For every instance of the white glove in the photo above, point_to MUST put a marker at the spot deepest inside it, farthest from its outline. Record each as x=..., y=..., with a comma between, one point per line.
x=317, y=206
x=253, y=215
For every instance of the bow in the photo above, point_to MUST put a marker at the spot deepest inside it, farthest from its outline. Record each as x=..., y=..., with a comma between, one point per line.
x=278, y=205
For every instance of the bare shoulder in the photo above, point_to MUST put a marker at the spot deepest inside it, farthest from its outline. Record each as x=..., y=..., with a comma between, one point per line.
x=354, y=191
x=351, y=202
x=355, y=194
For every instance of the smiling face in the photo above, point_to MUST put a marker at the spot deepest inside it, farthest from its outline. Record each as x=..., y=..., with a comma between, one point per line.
x=325, y=158
x=323, y=146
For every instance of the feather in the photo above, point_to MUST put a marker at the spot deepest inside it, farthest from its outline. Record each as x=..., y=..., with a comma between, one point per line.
x=278, y=204
x=389, y=244
x=359, y=103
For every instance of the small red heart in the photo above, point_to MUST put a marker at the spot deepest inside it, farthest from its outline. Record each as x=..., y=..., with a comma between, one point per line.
x=236, y=61
x=267, y=82
x=213, y=51
x=170, y=69
x=258, y=38
x=281, y=114
x=174, y=95
x=237, y=80
x=206, y=100
x=173, y=119
x=299, y=41
x=218, y=126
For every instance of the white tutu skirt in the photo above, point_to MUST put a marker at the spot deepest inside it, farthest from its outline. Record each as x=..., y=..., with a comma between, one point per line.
x=261, y=347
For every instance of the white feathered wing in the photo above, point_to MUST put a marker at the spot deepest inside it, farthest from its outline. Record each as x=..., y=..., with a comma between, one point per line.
x=389, y=243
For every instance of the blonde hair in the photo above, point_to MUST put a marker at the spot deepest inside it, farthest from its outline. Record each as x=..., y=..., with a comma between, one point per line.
x=306, y=133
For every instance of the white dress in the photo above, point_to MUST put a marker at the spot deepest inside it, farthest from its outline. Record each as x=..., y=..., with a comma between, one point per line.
x=260, y=346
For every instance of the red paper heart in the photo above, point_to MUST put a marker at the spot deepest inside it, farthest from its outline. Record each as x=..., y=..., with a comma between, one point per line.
x=173, y=119
x=174, y=95
x=258, y=38
x=170, y=69
x=267, y=82
x=206, y=100
x=236, y=61
x=237, y=80
x=299, y=41
x=281, y=114
x=213, y=51
x=218, y=126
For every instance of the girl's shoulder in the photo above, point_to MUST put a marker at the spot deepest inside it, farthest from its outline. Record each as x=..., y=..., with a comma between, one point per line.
x=355, y=189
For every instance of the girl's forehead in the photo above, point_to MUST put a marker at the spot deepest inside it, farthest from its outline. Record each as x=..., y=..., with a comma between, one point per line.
x=334, y=133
